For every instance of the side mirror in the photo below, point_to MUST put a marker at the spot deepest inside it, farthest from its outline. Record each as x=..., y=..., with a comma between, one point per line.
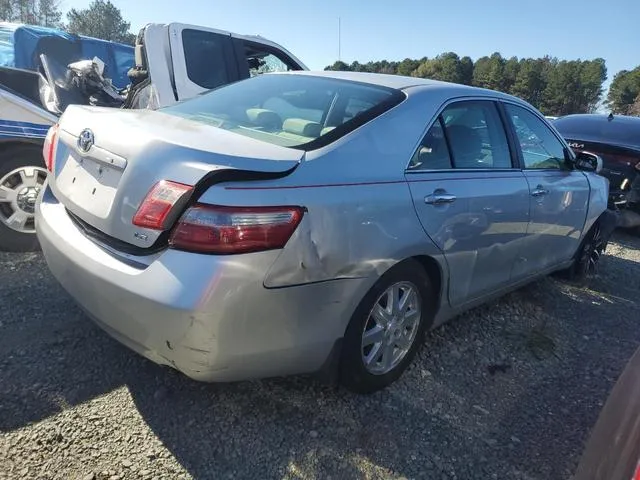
x=587, y=161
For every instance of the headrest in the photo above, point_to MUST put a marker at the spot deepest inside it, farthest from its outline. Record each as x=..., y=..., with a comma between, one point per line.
x=264, y=118
x=139, y=57
x=299, y=126
x=464, y=140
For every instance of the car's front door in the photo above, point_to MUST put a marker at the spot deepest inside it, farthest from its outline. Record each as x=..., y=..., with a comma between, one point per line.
x=559, y=194
x=470, y=199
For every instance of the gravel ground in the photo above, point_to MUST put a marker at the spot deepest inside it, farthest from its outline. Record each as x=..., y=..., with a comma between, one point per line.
x=508, y=390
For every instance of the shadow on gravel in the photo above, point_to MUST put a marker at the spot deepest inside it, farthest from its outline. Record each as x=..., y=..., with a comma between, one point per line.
x=627, y=239
x=446, y=418
x=599, y=328
x=421, y=429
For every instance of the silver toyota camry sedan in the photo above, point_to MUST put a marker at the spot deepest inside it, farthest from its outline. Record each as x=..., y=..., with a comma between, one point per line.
x=310, y=222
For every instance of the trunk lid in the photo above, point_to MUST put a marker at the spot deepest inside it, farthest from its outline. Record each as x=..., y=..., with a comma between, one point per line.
x=130, y=151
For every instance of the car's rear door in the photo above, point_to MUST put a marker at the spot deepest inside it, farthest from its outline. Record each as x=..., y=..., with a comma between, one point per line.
x=471, y=198
x=202, y=59
x=559, y=195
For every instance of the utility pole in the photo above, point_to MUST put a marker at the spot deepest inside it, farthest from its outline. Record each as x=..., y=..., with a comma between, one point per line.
x=339, y=39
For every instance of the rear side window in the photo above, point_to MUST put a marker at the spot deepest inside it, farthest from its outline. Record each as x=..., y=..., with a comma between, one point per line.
x=205, y=58
x=466, y=135
x=302, y=111
x=476, y=136
x=433, y=152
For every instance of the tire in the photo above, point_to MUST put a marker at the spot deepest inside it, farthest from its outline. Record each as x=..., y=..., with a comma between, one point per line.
x=360, y=376
x=587, y=257
x=17, y=196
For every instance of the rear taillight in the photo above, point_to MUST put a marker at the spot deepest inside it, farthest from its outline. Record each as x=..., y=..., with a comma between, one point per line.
x=156, y=209
x=636, y=475
x=227, y=230
x=49, y=147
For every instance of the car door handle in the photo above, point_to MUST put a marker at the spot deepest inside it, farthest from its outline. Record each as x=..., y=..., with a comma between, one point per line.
x=540, y=191
x=439, y=198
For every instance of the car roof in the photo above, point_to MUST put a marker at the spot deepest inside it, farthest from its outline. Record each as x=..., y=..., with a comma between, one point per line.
x=381, y=79
x=400, y=82
x=621, y=130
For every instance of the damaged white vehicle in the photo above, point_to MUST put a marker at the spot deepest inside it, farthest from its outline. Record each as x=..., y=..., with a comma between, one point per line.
x=172, y=62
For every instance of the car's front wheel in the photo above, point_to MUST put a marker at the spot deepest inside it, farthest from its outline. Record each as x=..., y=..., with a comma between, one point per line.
x=22, y=175
x=592, y=248
x=387, y=328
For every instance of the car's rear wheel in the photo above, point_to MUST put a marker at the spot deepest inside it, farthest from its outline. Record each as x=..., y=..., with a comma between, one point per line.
x=22, y=175
x=387, y=328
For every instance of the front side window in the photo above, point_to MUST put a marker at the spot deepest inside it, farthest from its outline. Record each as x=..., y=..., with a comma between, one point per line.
x=262, y=60
x=205, y=59
x=541, y=149
x=268, y=63
x=287, y=110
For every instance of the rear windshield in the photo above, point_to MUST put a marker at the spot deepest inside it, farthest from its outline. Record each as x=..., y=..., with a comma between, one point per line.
x=300, y=111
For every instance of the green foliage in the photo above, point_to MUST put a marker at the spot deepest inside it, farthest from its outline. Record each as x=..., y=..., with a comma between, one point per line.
x=488, y=72
x=555, y=87
x=635, y=108
x=102, y=19
x=624, y=93
x=33, y=12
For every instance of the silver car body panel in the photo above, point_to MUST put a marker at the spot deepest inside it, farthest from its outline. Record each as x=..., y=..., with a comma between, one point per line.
x=280, y=312
x=208, y=316
x=98, y=186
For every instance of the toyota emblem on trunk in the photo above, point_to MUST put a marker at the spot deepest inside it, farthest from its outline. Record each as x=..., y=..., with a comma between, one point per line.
x=85, y=140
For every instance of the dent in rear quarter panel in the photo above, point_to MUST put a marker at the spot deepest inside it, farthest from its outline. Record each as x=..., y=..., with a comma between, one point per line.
x=360, y=218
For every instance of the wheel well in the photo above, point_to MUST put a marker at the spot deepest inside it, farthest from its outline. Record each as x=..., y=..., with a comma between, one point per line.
x=12, y=145
x=434, y=271
x=23, y=142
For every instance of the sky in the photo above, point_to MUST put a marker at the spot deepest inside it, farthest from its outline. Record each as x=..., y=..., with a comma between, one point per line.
x=396, y=29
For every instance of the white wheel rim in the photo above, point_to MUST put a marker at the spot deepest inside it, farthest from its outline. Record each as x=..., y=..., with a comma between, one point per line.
x=18, y=192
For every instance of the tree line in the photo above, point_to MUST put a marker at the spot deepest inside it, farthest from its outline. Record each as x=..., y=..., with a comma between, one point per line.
x=101, y=19
x=624, y=92
x=556, y=87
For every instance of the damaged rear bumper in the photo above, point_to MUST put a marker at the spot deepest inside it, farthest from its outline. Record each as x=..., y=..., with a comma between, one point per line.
x=208, y=316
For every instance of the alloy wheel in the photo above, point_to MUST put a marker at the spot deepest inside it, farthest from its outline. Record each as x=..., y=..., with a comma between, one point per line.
x=391, y=328
x=19, y=190
x=592, y=251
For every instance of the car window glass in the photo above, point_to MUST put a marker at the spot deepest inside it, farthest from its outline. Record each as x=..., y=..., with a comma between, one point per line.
x=288, y=110
x=356, y=106
x=262, y=61
x=541, y=149
x=204, y=58
x=433, y=153
x=476, y=135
